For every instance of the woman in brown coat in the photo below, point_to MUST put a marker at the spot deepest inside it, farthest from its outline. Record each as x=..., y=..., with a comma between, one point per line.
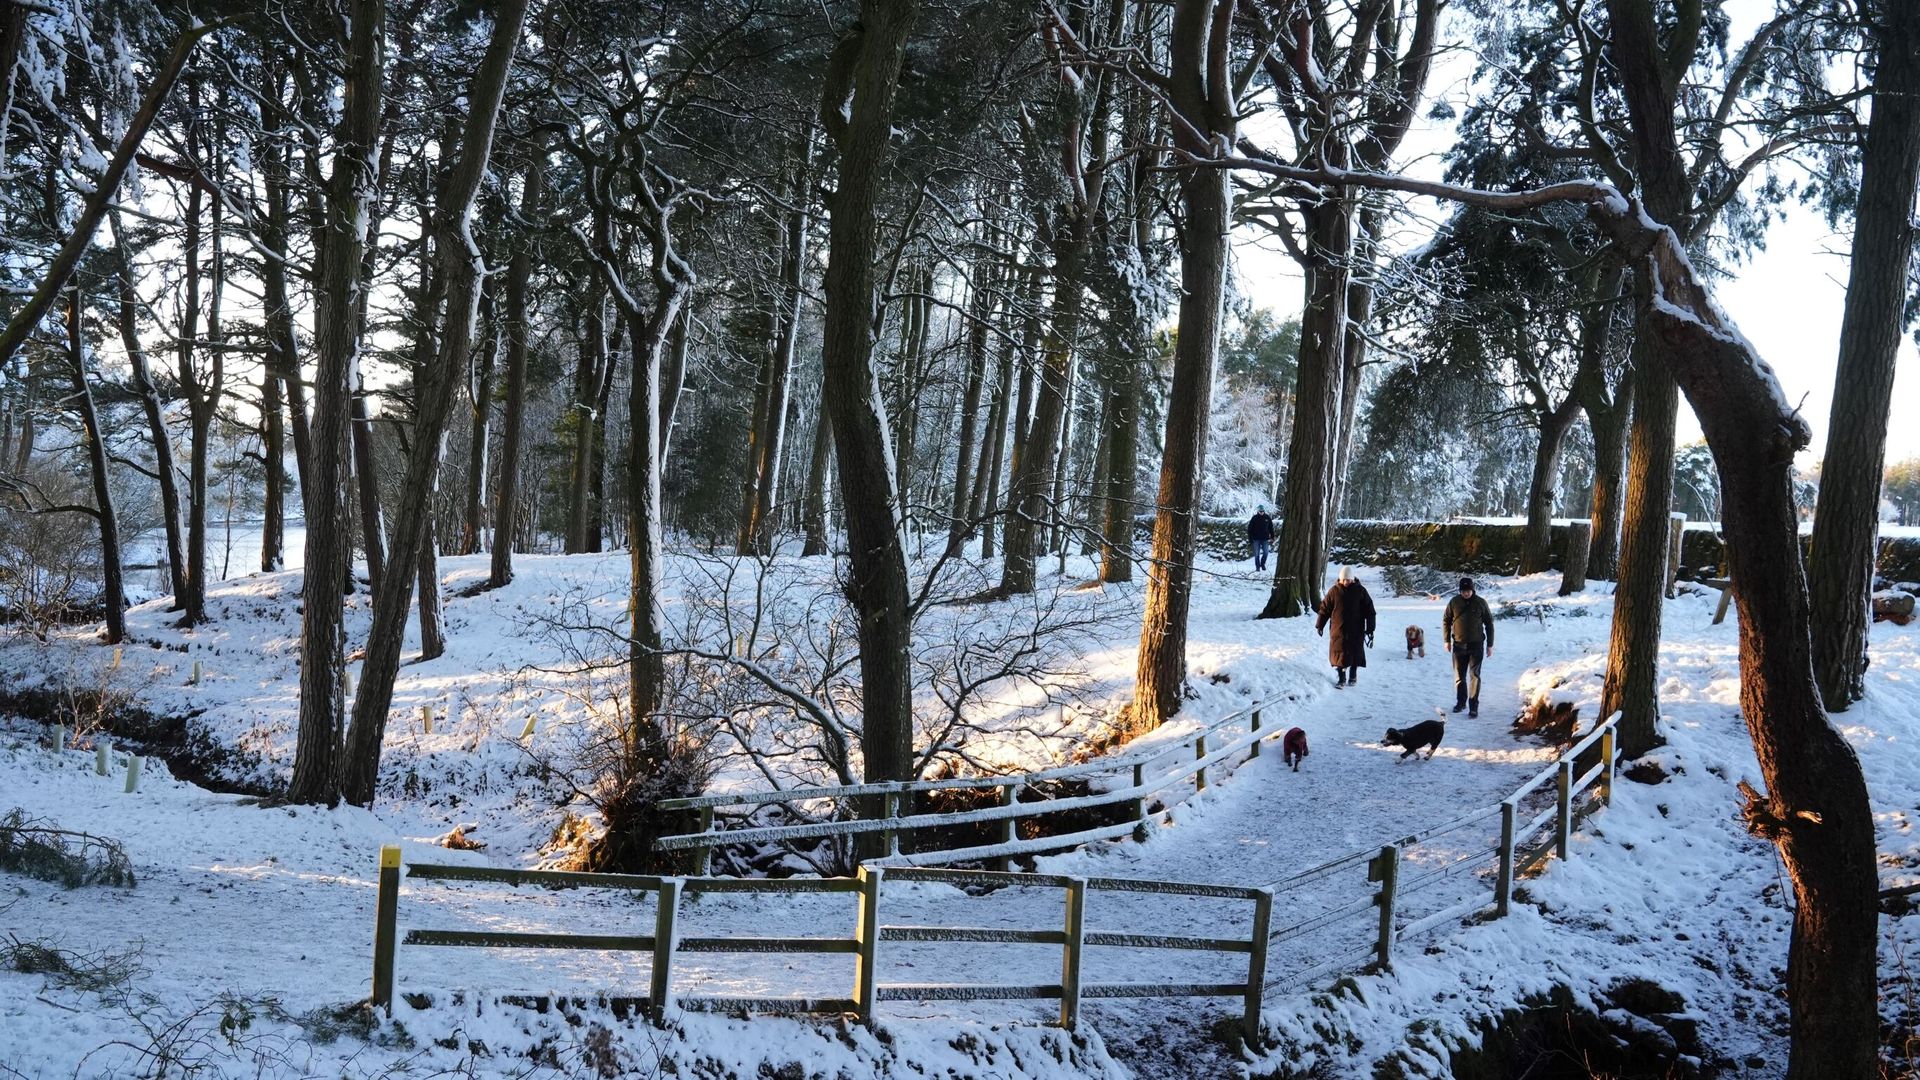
x=1350, y=610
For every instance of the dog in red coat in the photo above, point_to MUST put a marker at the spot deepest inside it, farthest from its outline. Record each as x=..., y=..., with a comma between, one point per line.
x=1294, y=747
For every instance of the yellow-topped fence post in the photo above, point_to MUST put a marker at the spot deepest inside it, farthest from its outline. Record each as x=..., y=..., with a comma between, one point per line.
x=385, y=917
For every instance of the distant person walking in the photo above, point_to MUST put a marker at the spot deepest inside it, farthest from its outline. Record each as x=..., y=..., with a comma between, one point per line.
x=1467, y=629
x=1260, y=535
x=1349, y=610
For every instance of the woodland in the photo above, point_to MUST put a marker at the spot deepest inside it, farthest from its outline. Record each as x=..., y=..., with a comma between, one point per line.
x=911, y=284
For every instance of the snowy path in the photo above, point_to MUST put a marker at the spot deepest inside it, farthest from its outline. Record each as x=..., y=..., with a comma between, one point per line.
x=236, y=903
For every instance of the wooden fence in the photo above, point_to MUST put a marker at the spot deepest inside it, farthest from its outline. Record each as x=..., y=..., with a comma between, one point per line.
x=1392, y=880
x=1156, y=772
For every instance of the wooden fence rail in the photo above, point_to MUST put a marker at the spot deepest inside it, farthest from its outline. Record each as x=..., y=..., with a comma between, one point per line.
x=1191, y=758
x=1392, y=879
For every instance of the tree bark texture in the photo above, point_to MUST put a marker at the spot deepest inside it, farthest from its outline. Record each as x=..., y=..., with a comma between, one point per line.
x=112, y=587
x=1847, y=516
x=349, y=198
x=767, y=446
x=167, y=477
x=856, y=110
x=461, y=259
x=519, y=272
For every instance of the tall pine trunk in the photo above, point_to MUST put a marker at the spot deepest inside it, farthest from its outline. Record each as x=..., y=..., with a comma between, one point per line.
x=767, y=448
x=166, y=475
x=348, y=210
x=813, y=515
x=856, y=110
x=1847, y=518
x=112, y=588
x=519, y=272
x=461, y=258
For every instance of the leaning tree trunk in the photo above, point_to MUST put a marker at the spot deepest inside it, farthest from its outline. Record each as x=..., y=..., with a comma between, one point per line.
x=461, y=259
x=112, y=589
x=1536, y=542
x=1847, y=518
x=348, y=210
x=856, y=110
x=1300, y=553
x=519, y=271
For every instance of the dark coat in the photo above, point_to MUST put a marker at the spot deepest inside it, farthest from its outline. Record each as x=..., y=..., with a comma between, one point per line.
x=1260, y=527
x=1349, y=610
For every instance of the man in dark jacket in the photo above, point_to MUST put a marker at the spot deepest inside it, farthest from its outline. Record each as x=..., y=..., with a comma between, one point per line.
x=1260, y=534
x=1349, y=609
x=1467, y=629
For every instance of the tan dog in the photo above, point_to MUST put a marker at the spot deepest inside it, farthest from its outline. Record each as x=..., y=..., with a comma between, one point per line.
x=1416, y=641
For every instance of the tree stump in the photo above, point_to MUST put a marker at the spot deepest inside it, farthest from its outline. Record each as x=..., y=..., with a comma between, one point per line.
x=1579, y=545
x=1676, y=532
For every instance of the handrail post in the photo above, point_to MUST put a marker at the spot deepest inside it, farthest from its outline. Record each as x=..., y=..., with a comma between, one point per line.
x=890, y=803
x=665, y=942
x=1200, y=754
x=1607, y=750
x=1009, y=827
x=1071, y=951
x=1563, y=827
x=703, y=855
x=386, y=913
x=1386, y=870
x=866, y=933
x=1140, y=802
x=1503, y=885
x=1253, y=725
x=1257, y=962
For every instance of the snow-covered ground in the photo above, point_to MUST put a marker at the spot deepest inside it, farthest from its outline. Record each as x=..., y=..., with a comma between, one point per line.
x=237, y=905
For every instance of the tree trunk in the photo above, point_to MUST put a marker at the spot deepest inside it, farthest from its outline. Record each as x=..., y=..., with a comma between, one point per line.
x=673, y=375
x=651, y=336
x=283, y=351
x=1207, y=197
x=1573, y=575
x=856, y=110
x=1035, y=457
x=461, y=259
x=519, y=271
x=485, y=363
x=350, y=194
x=166, y=476
x=814, y=516
x=960, y=523
x=273, y=448
x=1536, y=543
x=193, y=605
x=433, y=633
x=586, y=384
x=1632, y=684
x=1847, y=518
x=1057, y=510
x=112, y=590
x=767, y=449
x=1123, y=466
x=1300, y=553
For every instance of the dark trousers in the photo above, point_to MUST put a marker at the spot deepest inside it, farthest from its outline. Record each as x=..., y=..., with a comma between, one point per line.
x=1466, y=672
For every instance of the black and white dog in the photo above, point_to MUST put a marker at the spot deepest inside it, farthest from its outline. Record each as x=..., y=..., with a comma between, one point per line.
x=1426, y=733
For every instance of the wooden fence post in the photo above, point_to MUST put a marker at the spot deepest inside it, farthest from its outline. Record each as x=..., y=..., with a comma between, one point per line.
x=1607, y=752
x=1563, y=828
x=866, y=933
x=1140, y=803
x=1503, y=885
x=1386, y=870
x=386, y=911
x=1676, y=537
x=890, y=810
x=1579, y=547
x=1254, y=725
x=1257, y=964
x=1070, y=952
x=1200, y=754
x=703, y=855
x=665, y=942
x=1009, y=827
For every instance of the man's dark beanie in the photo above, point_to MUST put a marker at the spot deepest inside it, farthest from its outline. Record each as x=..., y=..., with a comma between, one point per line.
x=1466, y=583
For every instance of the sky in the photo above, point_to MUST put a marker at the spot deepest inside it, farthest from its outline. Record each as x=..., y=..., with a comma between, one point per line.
x=1786, y=299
